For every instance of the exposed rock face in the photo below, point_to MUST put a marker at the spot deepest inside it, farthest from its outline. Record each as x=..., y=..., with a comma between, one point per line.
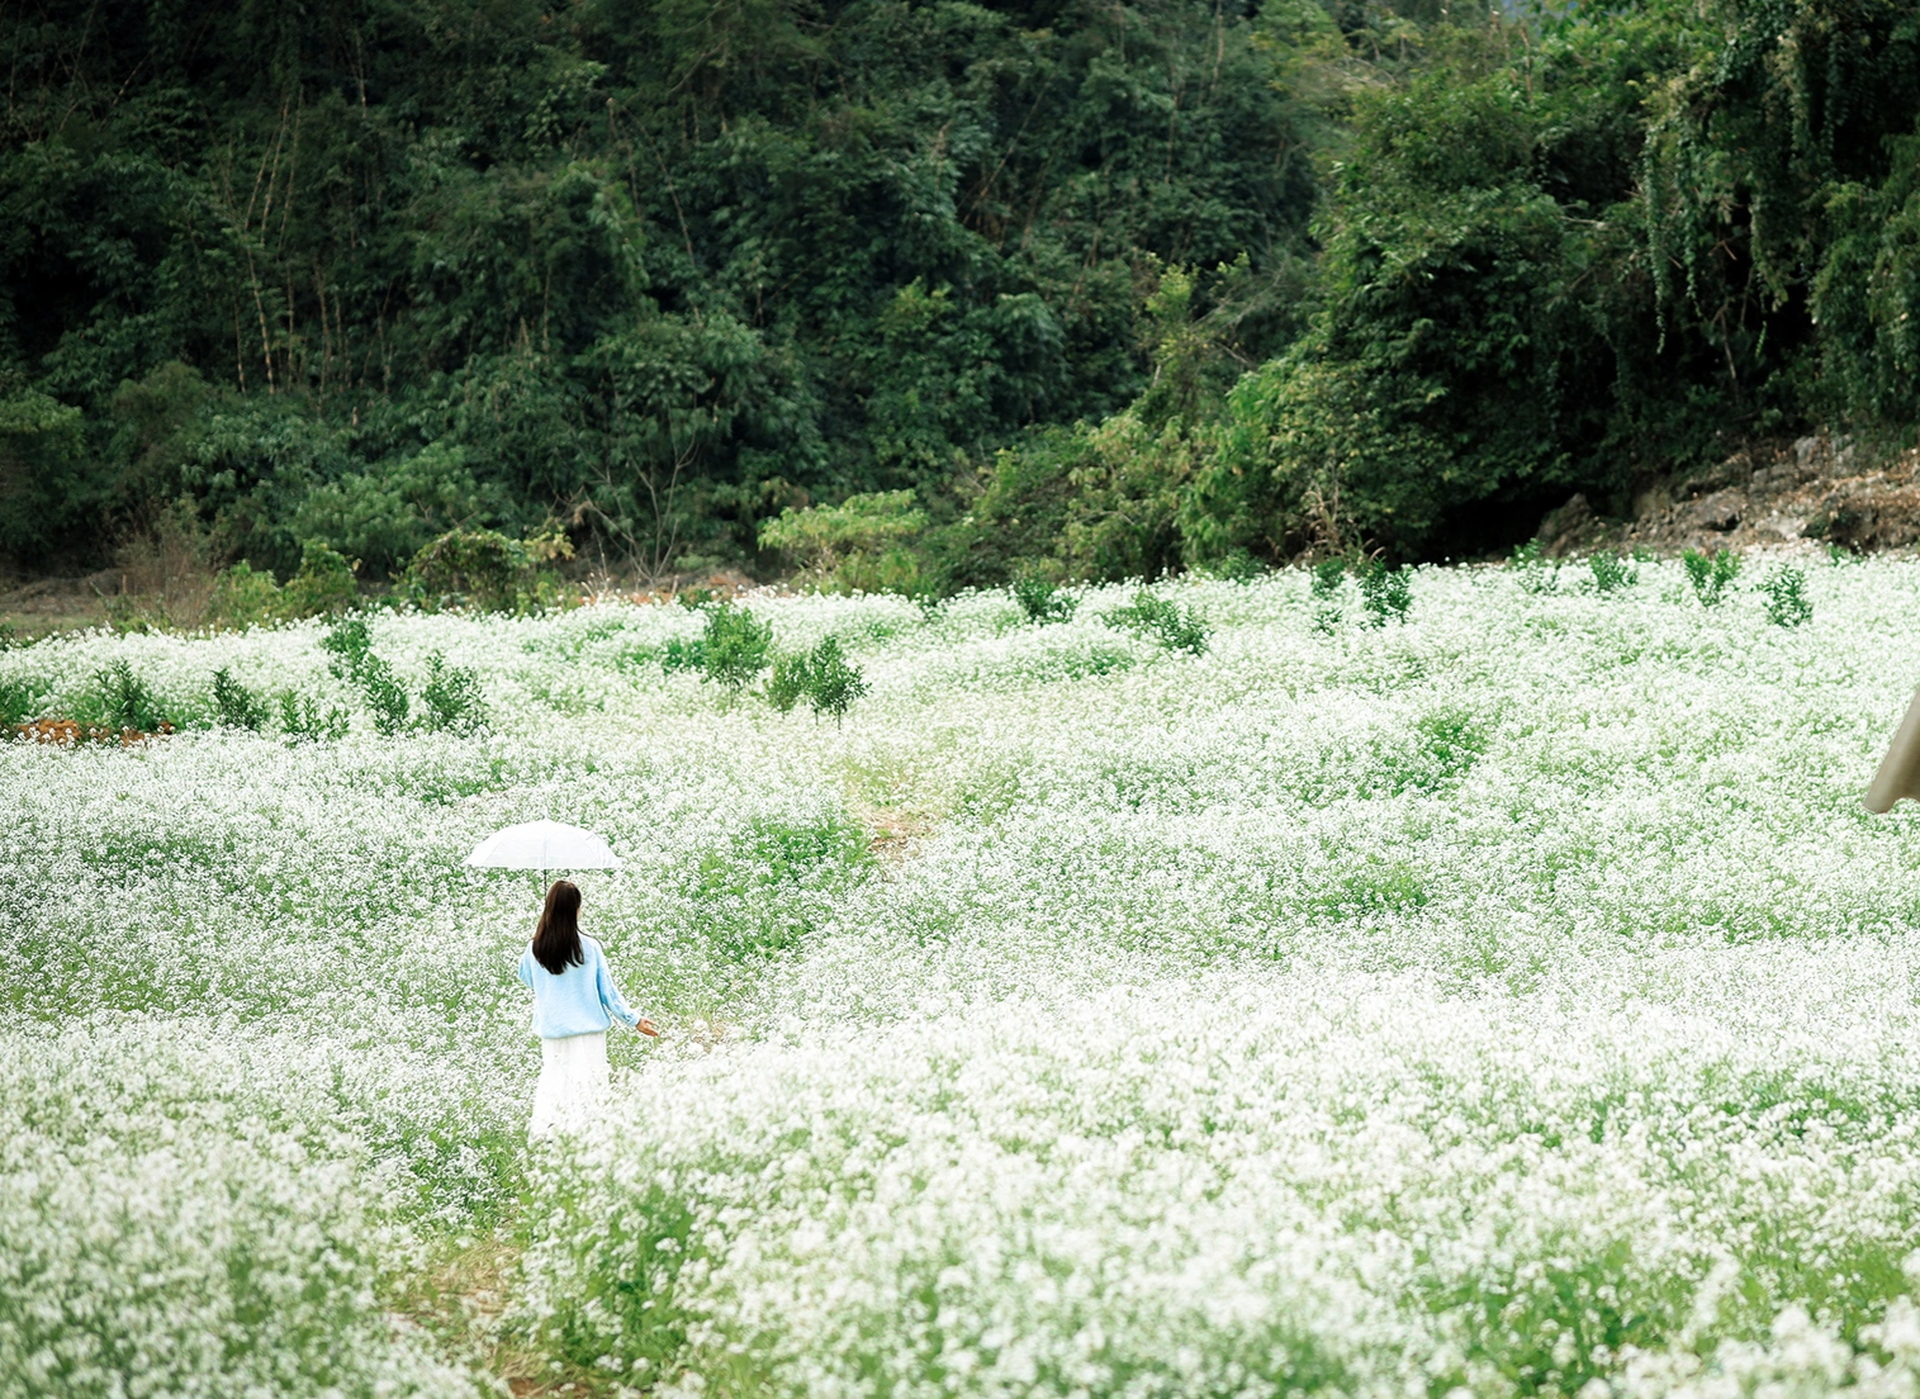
x=1567, y=528
x=1719, y=511
x=1815, y=489
x=1866, y=514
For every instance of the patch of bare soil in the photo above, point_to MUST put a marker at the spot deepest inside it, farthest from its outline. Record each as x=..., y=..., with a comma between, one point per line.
x=892, y=834
x=56, y=604
x=65, y=733
x=1810, y=492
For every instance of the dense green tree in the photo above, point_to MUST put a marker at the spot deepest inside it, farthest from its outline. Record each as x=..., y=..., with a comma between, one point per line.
x=372, y=268
x=1571, y=252
x=1110, y=288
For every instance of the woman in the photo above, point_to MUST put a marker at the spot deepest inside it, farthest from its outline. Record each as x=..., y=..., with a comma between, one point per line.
x=574, y=1000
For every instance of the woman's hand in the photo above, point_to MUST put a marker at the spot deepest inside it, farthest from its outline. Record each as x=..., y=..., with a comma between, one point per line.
x=647, y=1027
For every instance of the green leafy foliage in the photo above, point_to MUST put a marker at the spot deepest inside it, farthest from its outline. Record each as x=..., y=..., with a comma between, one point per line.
x=1533, y=571
x=1385, y=592
x=302, y=720
x=1710, y=575
x=1041, y=600
x=834, y=682
x=238, y=707
x=385, y=696
x=20, y=700
x=324, y=584
x=733, y=647
x=1611, y=573
x=1172, y=626
x=789, y=681
x=349, y=646
x=859, y=545
x=1326, y=583
x=1014, y=288
x=824, y=677
x=487, y=570
x=1787, y=602
x=244, y=596
x=682, y=654
x=452, y=701
x=674, y=270
x=1095, y=501
x=47, y=487
x=122, y=700
x=1327, y=579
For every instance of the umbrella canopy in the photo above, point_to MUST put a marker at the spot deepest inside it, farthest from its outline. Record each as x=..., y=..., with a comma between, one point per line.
x=543, y=845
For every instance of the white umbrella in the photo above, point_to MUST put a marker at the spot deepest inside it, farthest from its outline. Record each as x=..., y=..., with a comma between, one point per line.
x=543, y=845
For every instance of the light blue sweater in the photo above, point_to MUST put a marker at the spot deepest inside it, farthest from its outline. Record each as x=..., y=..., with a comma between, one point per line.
x=579, y=1000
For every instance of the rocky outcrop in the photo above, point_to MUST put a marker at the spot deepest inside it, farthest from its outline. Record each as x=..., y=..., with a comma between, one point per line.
x=1810, y=491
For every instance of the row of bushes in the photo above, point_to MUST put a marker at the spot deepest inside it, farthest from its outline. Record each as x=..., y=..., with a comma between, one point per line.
x=462, y=568
x=735, y=648
x=1710, y=576
x=120, y=704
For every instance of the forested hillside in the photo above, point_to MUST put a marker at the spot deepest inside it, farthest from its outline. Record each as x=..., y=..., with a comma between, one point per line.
x=1107, y=288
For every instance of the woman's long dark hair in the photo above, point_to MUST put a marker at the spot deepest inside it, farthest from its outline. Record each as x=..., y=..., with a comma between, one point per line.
x=556, y=941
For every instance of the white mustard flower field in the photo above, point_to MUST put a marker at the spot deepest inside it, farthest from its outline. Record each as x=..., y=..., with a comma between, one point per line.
x=1511, y=1000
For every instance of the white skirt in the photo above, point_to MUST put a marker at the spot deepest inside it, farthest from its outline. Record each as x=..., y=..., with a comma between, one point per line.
x=573, y=1083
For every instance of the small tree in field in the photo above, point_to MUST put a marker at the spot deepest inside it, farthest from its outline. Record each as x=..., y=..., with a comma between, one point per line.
x=823, y=677
x=733, y=647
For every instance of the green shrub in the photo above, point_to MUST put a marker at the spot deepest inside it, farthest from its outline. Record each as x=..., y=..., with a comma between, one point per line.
x=1710, y=575
x=484, y=569
x=385, y=696
x=835, y=683
x=1328, y=581
x=19, y=701
x=245, y=597
x=788, y=684
x=349, y=643
x=1533, y=571
x=302, y=720
x=1042, y=601
x=123, y=700
x=733, y=647
x=1611, y=573
x=324, y=584
x=239, y=708
x=682, y=654
x=54, y=486
x=823, y=677
x=1174, y=627
x=451, y=700
x=1787, y=602
x=1386, y=593
x=1328, y=578
x=1236, y=566
x=859, y=545
x=470, y=566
